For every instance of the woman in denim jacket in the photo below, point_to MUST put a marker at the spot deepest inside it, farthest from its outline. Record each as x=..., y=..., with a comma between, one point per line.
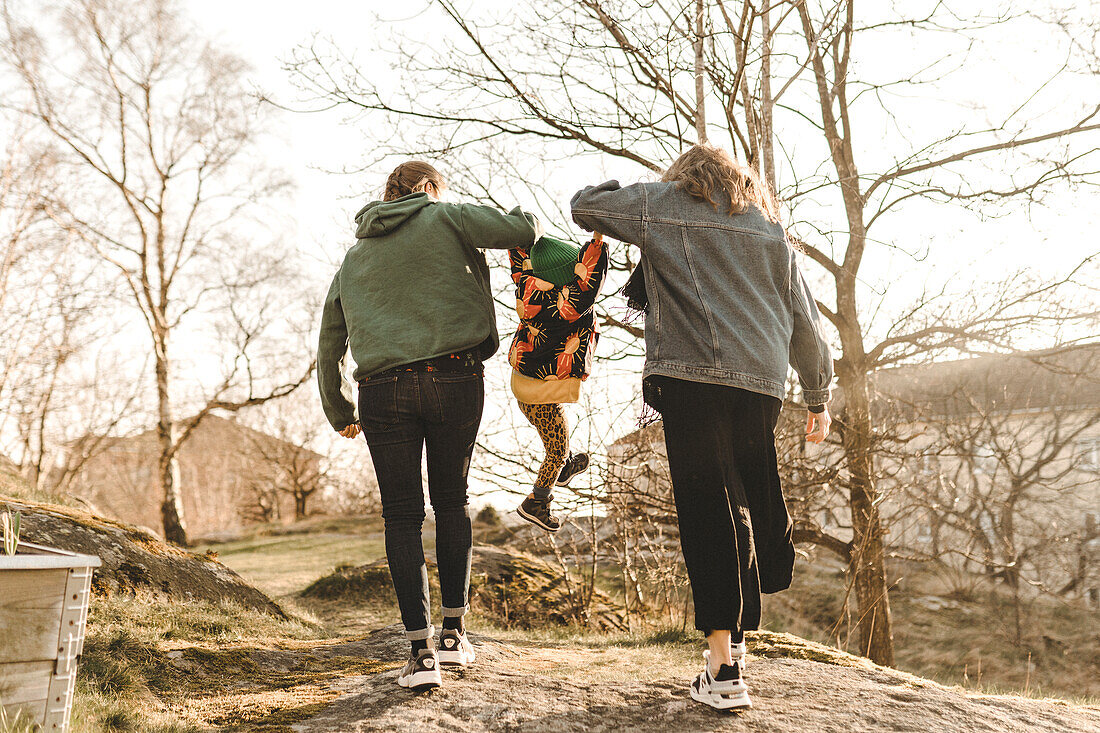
x=726, y=309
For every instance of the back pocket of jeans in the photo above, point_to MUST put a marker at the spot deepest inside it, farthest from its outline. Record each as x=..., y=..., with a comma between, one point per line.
x=378, y=402
x=461, y=396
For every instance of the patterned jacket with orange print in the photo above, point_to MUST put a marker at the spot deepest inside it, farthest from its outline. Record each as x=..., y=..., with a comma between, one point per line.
x=557, y=332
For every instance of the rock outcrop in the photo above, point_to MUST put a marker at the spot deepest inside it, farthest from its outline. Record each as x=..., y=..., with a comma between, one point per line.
x=134, y=560
x=515, y=688
x=514, y=588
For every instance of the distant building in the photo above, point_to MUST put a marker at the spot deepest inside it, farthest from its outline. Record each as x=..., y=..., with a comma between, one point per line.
x=961, y=441
x=231, y=476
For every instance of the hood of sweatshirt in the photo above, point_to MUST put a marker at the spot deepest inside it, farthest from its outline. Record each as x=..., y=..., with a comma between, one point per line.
x=382, y=217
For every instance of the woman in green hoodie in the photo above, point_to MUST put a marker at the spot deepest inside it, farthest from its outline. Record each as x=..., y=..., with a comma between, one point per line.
x=412, y=302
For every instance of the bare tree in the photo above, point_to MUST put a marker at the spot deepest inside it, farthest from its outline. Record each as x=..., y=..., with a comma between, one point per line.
x=52, y=305
x=611, y=78
x=158, y=126
x=288, y=441
x=1002, y=485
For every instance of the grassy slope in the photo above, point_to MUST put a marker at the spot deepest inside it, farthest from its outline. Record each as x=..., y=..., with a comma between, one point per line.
x=181, y=668
x=952, y=636
x=282, y=565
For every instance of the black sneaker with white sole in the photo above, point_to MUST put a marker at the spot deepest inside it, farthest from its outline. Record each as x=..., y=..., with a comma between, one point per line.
x=537, y=512
x=576, y=464
x=723, y=691
x=422, y=672
x=455, y=648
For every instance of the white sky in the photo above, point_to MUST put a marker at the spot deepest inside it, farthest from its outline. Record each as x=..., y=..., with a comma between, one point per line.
x=1044, y=238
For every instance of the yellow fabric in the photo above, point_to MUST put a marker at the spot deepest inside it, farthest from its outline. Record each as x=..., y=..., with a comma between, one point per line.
x=545, y=391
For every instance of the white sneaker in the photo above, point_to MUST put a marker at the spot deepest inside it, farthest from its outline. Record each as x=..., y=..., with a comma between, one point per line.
x=455, y=648
x=739, y=653
x=728, y=693
x=422, y=672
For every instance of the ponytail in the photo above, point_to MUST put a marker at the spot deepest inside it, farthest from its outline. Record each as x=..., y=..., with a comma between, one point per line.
x=412, y=177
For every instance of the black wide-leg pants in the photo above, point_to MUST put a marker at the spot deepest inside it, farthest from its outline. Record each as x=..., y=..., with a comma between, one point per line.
x=735, y=530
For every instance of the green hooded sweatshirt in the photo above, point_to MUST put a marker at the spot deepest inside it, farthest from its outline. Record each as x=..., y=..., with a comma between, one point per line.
x=414, y=286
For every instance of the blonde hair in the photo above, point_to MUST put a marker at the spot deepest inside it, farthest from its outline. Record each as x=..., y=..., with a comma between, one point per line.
x=706, y=171
x=412, y=176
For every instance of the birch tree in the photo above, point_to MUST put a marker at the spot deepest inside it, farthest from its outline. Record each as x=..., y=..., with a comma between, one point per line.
x=158, y=126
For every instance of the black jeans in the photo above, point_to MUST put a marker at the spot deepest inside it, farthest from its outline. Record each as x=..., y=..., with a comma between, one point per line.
x=735, y=531
x=400, y=414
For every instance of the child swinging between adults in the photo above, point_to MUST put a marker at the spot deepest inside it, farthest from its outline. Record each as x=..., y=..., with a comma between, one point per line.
x=726, y=309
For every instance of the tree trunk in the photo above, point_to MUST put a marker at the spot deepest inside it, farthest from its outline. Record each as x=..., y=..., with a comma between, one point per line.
x=300, y=499
x=868, y=560
x=700, y=90
x=168, y=469
x=767, y=140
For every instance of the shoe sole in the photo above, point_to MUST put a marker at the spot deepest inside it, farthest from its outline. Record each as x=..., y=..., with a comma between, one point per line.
x=578, y=472
x=535, y=520
x=421, y=681
x=460, y=659
x=740, y=701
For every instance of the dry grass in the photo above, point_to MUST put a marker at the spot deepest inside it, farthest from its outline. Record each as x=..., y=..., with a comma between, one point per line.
x=148, y=665
x=957, y=635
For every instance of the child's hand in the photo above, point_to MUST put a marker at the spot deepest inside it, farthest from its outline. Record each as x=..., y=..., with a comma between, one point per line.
x=351, y=431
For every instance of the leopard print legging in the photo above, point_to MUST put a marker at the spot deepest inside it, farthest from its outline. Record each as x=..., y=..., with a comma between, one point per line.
x=549, y=421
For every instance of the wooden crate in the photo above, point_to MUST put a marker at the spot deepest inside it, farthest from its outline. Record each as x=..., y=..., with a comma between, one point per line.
x=44, y=597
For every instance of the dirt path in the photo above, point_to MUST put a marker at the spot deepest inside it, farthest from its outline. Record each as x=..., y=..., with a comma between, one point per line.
x=508, y=689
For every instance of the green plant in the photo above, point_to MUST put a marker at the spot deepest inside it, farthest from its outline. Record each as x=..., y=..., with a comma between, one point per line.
x=11, y=524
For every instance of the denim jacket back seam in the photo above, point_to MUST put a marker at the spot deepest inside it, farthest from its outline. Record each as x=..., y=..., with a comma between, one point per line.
x=699, y=294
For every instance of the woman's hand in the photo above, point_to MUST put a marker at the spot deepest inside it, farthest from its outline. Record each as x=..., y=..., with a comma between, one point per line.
x=351, y=431
x=817, y=426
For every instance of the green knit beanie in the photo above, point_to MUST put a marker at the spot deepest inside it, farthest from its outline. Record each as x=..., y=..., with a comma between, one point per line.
x=554, y=261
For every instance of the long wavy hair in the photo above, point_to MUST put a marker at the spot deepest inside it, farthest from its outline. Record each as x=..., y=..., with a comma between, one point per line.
x=710, y=174
x=412, y=176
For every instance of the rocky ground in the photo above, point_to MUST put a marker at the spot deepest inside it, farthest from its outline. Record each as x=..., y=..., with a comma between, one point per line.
x=509, y=689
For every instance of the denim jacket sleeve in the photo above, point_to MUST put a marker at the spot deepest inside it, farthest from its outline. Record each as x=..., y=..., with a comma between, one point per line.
x=612, y=210
x=810, y=354
x=332, y=348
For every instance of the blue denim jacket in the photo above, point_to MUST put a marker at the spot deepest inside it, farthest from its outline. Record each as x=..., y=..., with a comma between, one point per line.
x=727, y=302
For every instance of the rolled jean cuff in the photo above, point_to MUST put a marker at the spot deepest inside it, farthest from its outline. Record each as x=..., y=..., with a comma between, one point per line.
x=455, y=612
x=421, y=634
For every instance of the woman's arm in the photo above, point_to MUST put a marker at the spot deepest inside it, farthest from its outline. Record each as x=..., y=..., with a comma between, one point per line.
x=809, y=352
x=332, y=347
x=485, y=227
x=613, y=210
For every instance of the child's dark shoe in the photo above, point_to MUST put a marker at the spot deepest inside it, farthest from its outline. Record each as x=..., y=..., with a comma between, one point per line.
x=537, y=511
x=576, y=464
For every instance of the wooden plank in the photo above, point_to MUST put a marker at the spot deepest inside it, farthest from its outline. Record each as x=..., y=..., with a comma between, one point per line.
x=25, y=687
x=30, y=614
x=35, y=710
